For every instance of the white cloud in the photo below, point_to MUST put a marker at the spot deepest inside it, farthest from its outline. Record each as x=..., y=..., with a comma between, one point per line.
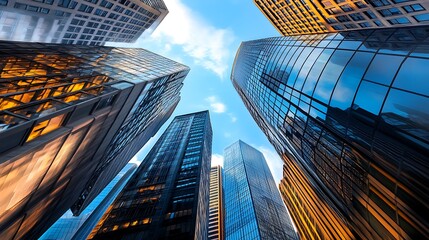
x=207, y=45
x=233, y=118
x=216, y=106
x=217, y=159
x=275, y=163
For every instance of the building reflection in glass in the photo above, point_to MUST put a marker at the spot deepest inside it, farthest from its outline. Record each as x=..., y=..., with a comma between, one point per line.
x=70, y=118
x=348, y=113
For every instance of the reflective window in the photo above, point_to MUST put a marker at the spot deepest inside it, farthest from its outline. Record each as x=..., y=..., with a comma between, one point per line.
x=330, y=74
x=350, y=79
x=422, y=17
x=305, y=68
x=413, y=76
x=400, y=110
x=313, y=76
x=370, y=97
x=383, y=68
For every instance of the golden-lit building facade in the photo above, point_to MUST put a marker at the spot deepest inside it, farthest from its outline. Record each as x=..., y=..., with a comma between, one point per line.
x=295, y=17
x=215, y=225
x=70, y=118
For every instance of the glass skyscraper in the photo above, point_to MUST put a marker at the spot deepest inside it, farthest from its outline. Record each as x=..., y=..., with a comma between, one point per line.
x=253, y=206
x=79, y=227
x=321, y=16
x=168, y=196
x=71, y=117
x=349, y=114
x=90, y=22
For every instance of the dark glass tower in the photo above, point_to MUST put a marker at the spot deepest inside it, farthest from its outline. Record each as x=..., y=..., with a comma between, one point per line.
x=349, y=114
x=71, y=117
x=168, y=196
x=253, y=206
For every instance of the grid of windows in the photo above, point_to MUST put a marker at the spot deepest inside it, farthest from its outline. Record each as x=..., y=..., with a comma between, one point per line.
x=348, y=112
x=320, y=16
x=215, y=229
x=69, y=21
x=60, y=107
x=168, y=195
x=253, y=207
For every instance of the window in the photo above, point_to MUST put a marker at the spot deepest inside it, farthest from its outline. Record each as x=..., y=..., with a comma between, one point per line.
x=85, y=8
x=378, y=23
x=413, y=8
x=370, y=97
x=379, y=3
x=45, y=127
x=349, y=80
x=422, y=17
x=346, y=8
x=390, y=12
x=343, y=19
x=370, y=14
x=356, y=16
x=364, y=24
x=413, y=76
x=402, y=20
x=67, y=4
x=383, y=68
x=106, y=4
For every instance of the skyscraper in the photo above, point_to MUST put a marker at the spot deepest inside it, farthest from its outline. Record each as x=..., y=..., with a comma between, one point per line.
x=168, y=196
x=253, y=206
x=348, y=113
x=71, y=117
x=90, y=22
x=321, y=16
x=216, y=209
x=69, y=226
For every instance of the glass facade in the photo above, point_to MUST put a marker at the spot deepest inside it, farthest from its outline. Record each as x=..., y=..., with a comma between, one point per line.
x=71, y=117
x=253, y=206
x=168, y=196
x=90, y=22
x=79, y=227
x=348, y=113
x=321, y=16
x=216, y=209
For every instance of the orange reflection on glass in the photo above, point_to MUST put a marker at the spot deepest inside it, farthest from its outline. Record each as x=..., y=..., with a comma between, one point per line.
x=45, y=127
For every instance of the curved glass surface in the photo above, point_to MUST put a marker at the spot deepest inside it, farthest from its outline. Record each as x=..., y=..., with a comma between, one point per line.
x=348, y=112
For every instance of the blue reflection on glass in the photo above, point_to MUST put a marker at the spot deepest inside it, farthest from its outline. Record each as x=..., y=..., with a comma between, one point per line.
x=370, y=97
x=413, y=76
x=383, y=68
x=330, y=74
x=350, y=79
x=317, y=68
x=407, y=111
x=305, y=68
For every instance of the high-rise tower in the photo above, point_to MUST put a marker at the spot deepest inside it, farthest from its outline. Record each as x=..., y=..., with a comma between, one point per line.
x=216, y=210
x=253, y=206
x=348, y=113
x=321, y=16
x=168, y=196
x=79, y=227
x=90, y=22
x=71, y=117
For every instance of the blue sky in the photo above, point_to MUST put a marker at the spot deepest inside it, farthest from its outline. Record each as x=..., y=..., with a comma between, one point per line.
x=205, y=36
